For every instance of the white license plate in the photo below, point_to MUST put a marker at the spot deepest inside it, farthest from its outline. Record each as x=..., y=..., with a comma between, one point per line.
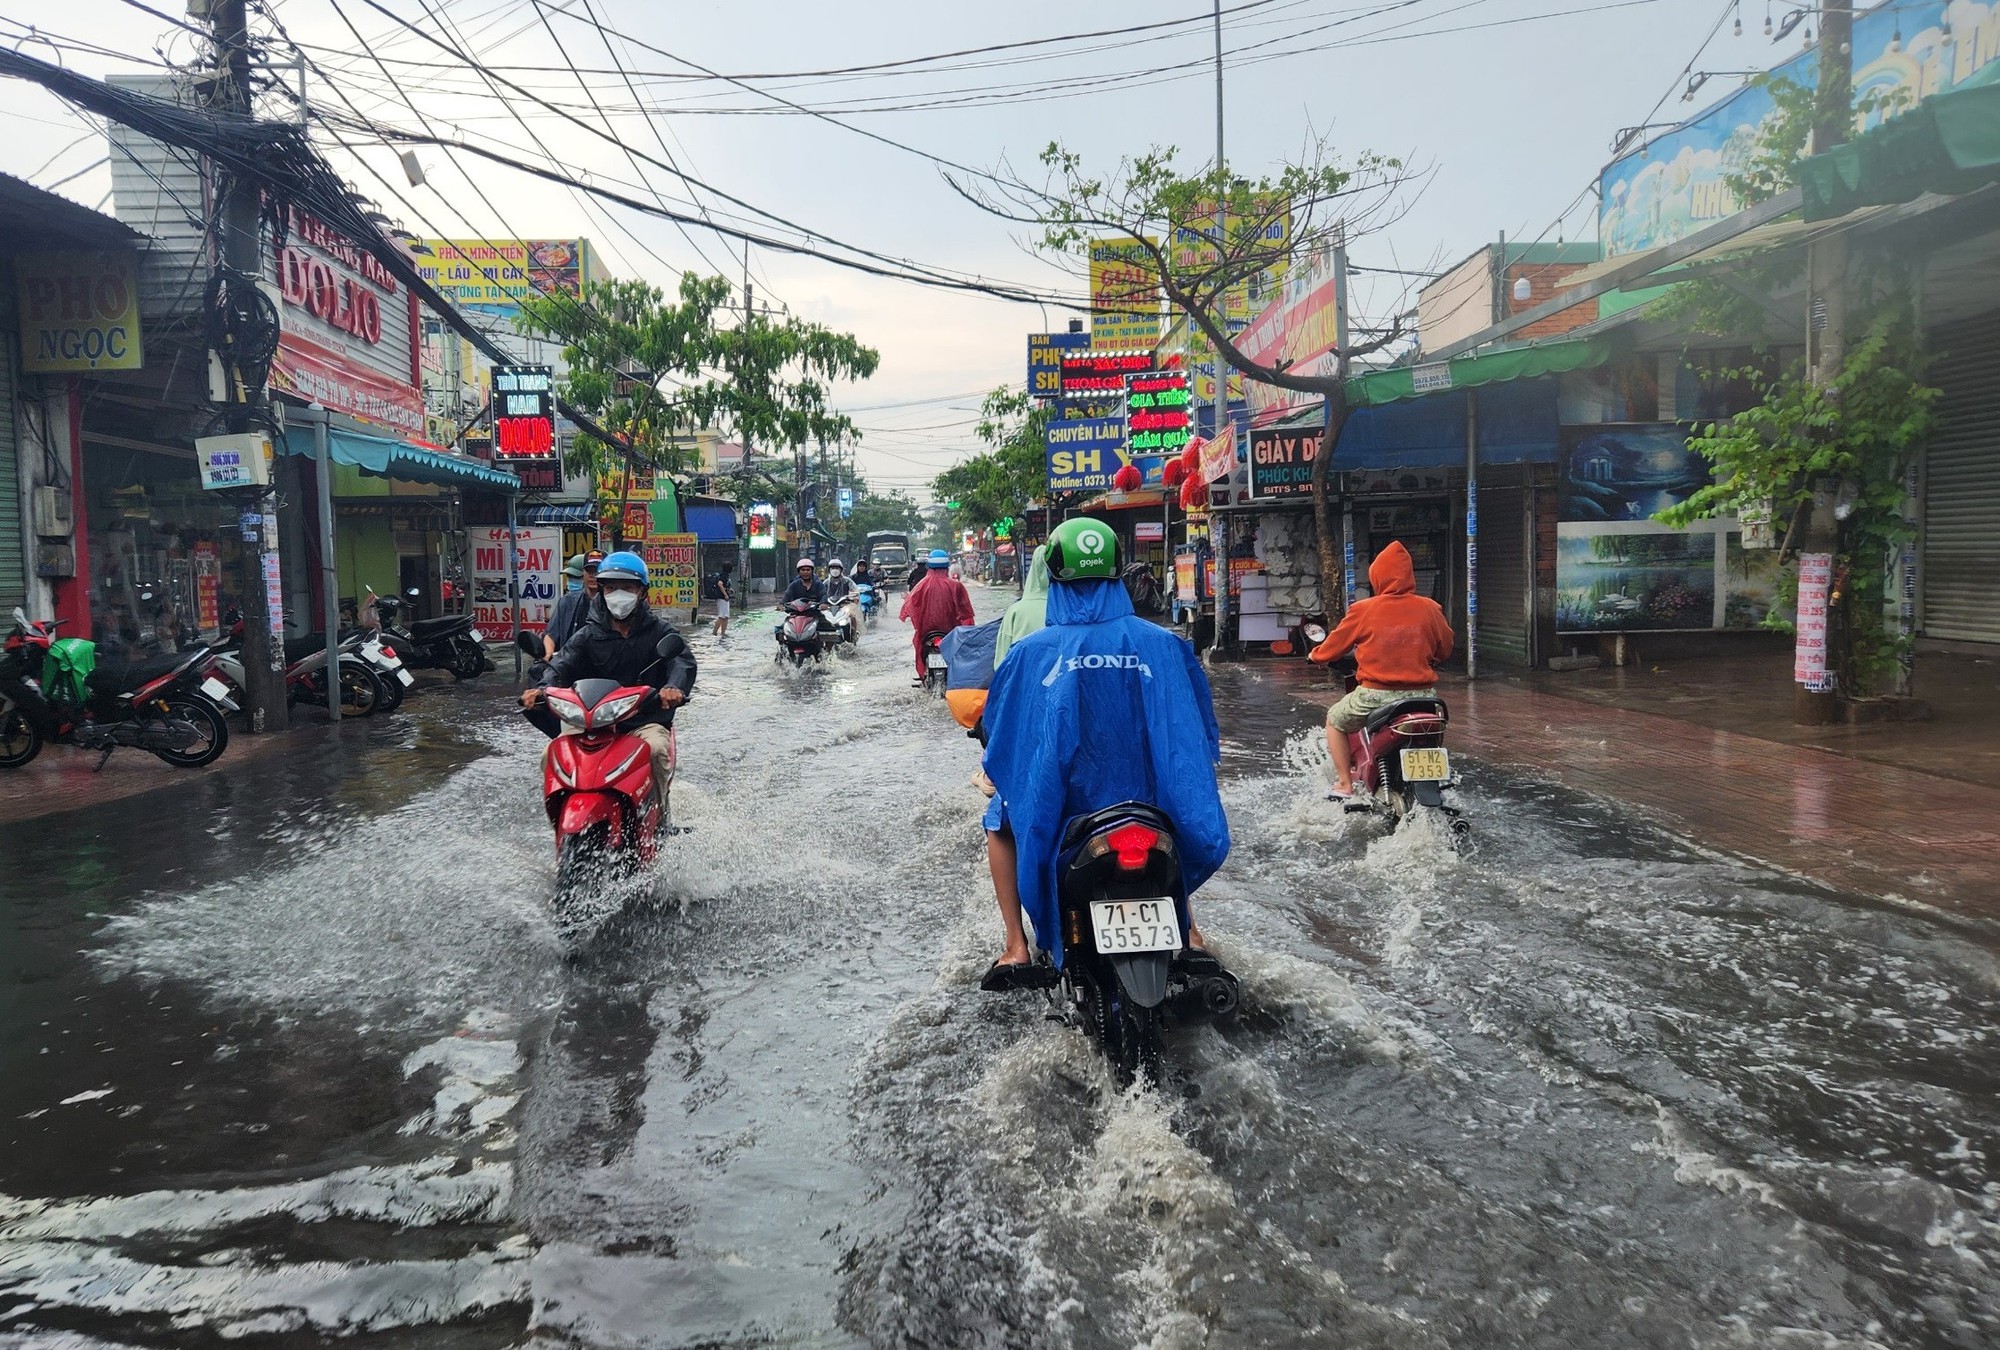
x=214, y=688
x=1427, y=764
x=1135, y=926
x=934, y=662
x=404, y=676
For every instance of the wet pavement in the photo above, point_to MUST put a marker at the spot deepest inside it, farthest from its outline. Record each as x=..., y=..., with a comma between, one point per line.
x=292, y=1058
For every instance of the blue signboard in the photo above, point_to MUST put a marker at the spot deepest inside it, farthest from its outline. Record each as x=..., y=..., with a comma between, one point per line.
x=1084, y=455
x=1045, y=352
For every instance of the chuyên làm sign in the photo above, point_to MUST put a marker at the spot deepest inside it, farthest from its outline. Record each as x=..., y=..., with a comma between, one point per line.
x=79, y=311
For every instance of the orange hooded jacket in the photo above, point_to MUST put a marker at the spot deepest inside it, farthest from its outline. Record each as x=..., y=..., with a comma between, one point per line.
x=1395, y=634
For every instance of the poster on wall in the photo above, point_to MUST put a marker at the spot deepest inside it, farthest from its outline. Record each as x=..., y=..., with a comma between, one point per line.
x=1627, y=472
x=539, y=569
x=673, y=563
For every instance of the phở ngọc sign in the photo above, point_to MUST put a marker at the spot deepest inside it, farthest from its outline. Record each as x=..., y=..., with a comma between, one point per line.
x=79, y=311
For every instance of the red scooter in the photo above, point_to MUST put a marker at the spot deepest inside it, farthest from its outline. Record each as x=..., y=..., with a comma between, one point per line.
x=1400, y=761
x=599, y=789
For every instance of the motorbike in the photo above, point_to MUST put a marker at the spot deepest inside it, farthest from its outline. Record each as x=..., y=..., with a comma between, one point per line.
x=364, y=683
x=936, y=669
x=432, y=644
x=388, y=667
x=598, y=789
x=801, y=634
x=1401, y=764
x=1127, y=971
x=842, y=622
x=170, y=704
x=871, y=602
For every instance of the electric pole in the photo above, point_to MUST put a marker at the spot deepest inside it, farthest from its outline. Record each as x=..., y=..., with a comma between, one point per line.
x=742, y=593
x=240, y=264
x=1218, y=527
x=1815, y=694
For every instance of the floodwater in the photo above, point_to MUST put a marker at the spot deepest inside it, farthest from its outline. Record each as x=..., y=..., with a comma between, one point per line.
x=292, y=1058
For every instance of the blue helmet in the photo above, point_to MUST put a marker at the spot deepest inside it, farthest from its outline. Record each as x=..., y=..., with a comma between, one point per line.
x=938, y=558
x=624, y=565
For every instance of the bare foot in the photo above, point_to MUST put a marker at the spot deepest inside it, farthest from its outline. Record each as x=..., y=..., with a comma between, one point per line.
x=1195, y=939
x=1016, y=956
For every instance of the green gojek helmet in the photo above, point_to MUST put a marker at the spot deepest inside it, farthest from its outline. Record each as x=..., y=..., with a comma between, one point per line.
x=1082, y=550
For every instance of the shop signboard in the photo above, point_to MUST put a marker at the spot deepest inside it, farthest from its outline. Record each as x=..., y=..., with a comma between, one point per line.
x=1101, y=375
x=1192, y=247
x=207, y=586
x=762, y=527
x=1186, y=569
x=538, y=475
x=673, y=566
x=1159, y=412
x=348, y=336
x=1675, y=184
x=496, y=275
x=524, y=413
x=1299, y=330
x=613, y=485
x=1084, y=455
x=1124, y=295
x=1281, y=461
x=79, y=311
x=538, y=549
x=1045, y=354
x=1148, y=531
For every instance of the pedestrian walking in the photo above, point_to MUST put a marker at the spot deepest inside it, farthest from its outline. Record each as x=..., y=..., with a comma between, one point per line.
x=718, y=591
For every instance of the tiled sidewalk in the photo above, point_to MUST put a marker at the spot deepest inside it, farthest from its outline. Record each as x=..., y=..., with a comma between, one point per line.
x=64, y=778
x=1875, y=828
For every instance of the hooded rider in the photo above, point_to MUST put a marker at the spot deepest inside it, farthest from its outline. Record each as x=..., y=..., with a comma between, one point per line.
x=1096, y=708
x=621, y=641
x=1396, y=636
x=1030, y=612
x=937, y=604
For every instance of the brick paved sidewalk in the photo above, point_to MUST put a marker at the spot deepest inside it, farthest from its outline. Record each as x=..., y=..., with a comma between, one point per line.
x=64, y=778
x=1879, y=829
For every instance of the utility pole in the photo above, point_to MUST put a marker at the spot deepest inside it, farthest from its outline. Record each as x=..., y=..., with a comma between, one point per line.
x=741, y=591
x=1815, y=694
x=240, y=263
x=1218, y=528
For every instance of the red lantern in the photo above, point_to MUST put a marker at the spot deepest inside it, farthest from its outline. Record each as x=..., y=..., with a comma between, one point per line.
x=1191, y=457
x=1128, y=479
x=1172, y=473
x=1194, y=494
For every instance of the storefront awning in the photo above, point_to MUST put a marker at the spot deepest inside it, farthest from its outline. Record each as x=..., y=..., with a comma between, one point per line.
x=1469, y=372
x=1949, y=143
x=382, y=457
x=1124, y=501
x=710, y=524
x=577, y=514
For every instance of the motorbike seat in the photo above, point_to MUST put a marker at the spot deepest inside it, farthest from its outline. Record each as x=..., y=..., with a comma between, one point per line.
x=299, y=648
x=1404, y=707
x=112, y=675
x=430, y=630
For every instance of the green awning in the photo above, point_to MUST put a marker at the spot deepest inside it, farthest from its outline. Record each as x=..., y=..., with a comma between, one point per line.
x=1469, y=372
x=382, y=457
x=1949, y=143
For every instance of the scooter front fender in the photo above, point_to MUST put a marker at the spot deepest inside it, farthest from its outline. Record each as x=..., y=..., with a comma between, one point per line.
x=581, y=810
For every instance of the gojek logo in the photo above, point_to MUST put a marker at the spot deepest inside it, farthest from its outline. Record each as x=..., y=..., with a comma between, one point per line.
x=1065, y=665
x=1093, y=541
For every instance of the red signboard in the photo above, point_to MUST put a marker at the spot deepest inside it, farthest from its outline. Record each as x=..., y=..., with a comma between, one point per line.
x=347, y=332
x=1299, y=331
x=1101, y=372
x=1158, y=418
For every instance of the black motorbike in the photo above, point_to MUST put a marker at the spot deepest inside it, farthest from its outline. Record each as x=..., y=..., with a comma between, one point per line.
x=801, y=635
x=171, y=704
x=433, y=644
x=1128, y=972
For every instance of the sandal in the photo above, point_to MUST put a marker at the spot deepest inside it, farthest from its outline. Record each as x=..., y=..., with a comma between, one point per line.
x=1005, y=977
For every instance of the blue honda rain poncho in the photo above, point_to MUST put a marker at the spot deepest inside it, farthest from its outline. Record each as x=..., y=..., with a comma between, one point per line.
x=1097, y=708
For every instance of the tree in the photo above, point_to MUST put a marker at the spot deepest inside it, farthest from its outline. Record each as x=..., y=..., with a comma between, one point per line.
x=999, y=483
x=1197, y=262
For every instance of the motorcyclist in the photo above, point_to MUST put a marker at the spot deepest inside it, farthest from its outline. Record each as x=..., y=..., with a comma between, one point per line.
x=620, y=641
x=574, y=607
x=937, y=604
x=864, y=572
x=806, y=586
x=1029, y=613
x=1096, y=708
x=839, y=589
x=1396, y=636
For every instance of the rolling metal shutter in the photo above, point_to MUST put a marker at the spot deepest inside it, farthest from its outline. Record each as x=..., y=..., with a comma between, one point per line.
x=1503, y=566
x=13, y=530
x=1961, y=542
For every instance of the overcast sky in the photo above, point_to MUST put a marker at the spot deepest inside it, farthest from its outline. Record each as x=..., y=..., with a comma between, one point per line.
x=1514, y=113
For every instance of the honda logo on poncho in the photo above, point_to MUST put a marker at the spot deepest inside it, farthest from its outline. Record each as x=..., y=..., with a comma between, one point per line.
x=1065, y=664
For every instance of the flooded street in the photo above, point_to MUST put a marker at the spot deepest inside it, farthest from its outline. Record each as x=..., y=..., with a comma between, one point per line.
x=293, y=1057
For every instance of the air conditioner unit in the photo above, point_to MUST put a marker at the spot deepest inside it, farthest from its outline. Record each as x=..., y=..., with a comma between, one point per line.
x=52, y=514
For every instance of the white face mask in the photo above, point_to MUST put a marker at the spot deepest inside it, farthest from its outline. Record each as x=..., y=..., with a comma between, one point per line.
x=621, y=603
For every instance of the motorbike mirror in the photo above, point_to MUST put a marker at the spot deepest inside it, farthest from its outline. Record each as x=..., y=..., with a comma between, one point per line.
x=531, y=643
x=413, y=592
x=1315, y=633
x=665, y=647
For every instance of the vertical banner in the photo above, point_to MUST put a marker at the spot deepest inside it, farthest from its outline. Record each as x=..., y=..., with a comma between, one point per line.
x=673, y=564
x=207, y=587
x=539, y=570
x=1809, y=653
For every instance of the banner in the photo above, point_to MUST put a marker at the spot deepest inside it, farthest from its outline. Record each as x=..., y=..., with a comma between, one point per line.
x=539, y=570
x=495, y=275
x=1045, y=354
x=1300, y=331
x=673, y=568
x=1809, y=650
x=79, y=311
x=347, y=334
x=1124, y=296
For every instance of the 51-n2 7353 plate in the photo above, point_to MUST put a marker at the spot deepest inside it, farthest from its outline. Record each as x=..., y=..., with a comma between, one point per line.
x=1125, y=926
x=1426, y=764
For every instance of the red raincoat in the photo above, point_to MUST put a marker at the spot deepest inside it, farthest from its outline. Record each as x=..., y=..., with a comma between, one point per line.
x=937, y=604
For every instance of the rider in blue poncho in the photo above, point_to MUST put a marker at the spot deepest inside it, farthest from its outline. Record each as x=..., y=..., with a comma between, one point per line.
x=1099, y=707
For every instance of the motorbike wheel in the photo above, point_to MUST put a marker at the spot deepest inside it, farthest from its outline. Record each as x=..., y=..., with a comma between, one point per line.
x=19, y=740
x=392, y=691
x=581, y=870
x=467, y=659
x=208, y=722
x=360, y=690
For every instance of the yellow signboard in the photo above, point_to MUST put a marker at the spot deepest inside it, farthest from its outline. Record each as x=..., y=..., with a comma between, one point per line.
x=501, y=273
x=79, y=311
x=673, y=566
x=1193, y=248
x=612, y=486
x=1124, y=295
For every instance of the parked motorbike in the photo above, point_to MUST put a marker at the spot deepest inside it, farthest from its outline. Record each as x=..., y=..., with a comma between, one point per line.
x=387, y=664
x=364, y=684
x=170, y=704
x=432, y=644
x=936, y=669
x=801, y=634
x=1401, y=764
x=1127, y=971
x=599, y=790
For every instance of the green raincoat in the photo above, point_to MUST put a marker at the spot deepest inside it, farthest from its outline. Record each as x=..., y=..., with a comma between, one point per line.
x=1027, y=614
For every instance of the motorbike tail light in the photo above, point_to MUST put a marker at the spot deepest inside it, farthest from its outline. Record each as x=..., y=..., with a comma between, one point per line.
x=1132, y=844
x=1425, y=725
x=388, y=651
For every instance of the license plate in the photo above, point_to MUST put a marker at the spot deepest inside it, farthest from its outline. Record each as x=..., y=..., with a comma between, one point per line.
x=404, y=676
x=1430, y=764
x=1135, y=926
x=934, y=662
x=214, y=688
